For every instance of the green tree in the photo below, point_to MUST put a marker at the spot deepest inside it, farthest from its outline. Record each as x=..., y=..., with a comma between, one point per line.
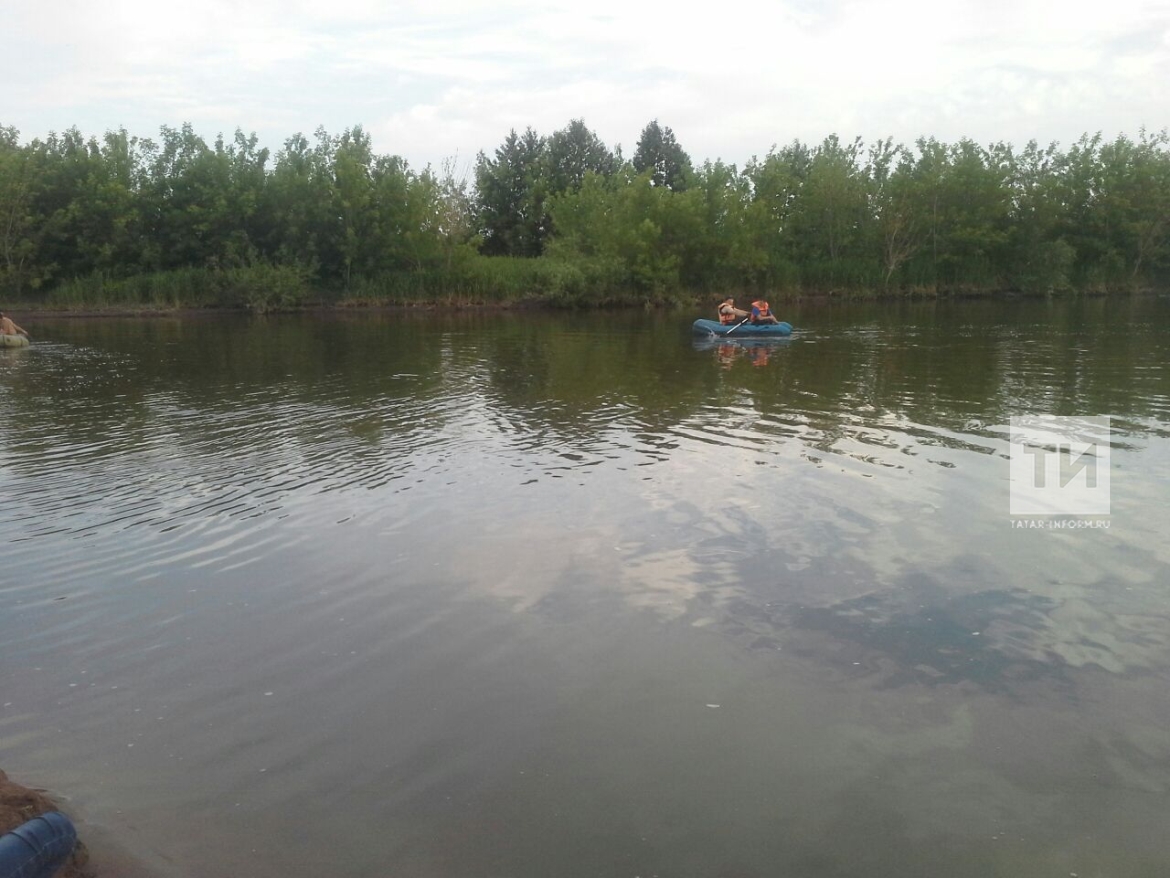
x=897, y=229
x=216, y=223
x=1039, y=259
x=450, y=211
x=777, y=184
x=659, y=153
x=353, y=203
x=174, y=194
x=511, y=195
x=1150, y=220
x=981, y=212
x=301, y=226
x=244, y=226
x=1132, y=203
x=651, y=234
x=17, y=247
x=720, y=253
x=573, y=152
x=830, y=216
x=964, y=197
x=403, y=237
x=65, y=163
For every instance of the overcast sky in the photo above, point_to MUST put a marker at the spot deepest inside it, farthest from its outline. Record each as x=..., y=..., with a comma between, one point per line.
x=438, y=79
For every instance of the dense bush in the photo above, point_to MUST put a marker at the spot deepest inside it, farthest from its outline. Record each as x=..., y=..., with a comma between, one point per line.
x=563, y=220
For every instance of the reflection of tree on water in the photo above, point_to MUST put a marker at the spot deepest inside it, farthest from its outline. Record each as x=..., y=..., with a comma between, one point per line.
x=550, y=380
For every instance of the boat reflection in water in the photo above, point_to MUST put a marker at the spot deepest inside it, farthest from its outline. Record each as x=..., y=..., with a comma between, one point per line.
x=758, y=351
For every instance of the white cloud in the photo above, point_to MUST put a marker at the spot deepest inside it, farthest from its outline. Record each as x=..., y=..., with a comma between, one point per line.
x=433, y=79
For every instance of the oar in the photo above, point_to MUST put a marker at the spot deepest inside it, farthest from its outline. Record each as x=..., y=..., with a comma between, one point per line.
x=737, y=326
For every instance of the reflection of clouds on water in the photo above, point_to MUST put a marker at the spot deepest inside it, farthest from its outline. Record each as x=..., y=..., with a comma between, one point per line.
x=853, y=586
x=1084, y=633
x=345, y=514
x=667, y=584
x=911, y=576
x=534, y=560
x=954, y=640
x=995, y=639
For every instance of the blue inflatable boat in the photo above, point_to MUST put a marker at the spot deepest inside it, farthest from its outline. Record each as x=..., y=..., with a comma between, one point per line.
x=763, y=330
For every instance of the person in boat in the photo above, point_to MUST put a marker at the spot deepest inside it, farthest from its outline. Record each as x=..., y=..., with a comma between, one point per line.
x=728, y=313
x=762, y=313
x=7, y=327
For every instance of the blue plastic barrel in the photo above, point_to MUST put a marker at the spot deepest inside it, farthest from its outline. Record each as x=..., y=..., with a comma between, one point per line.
x=37, y=848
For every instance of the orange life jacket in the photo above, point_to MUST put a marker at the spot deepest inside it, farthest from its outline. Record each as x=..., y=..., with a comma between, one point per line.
x=728, y=316
x=762, y=308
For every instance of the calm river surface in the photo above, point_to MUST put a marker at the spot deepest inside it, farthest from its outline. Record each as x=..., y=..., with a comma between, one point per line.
x=556, y=596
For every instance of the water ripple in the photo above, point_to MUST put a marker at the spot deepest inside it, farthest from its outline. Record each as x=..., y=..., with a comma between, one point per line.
x=391, y=568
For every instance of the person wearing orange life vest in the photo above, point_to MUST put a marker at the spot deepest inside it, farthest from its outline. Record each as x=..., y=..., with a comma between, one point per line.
x=761, y=313
x=728, y=313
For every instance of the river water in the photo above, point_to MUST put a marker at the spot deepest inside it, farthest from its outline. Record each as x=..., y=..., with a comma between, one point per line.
x=575, y=595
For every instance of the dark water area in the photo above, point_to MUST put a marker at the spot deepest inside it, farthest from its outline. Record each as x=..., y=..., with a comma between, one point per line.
x=575, y=595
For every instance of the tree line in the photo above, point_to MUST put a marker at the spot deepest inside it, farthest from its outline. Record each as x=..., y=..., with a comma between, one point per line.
x=566, y=219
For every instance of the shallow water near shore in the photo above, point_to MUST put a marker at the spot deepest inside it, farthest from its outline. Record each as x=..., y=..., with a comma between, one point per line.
x=542, y=594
